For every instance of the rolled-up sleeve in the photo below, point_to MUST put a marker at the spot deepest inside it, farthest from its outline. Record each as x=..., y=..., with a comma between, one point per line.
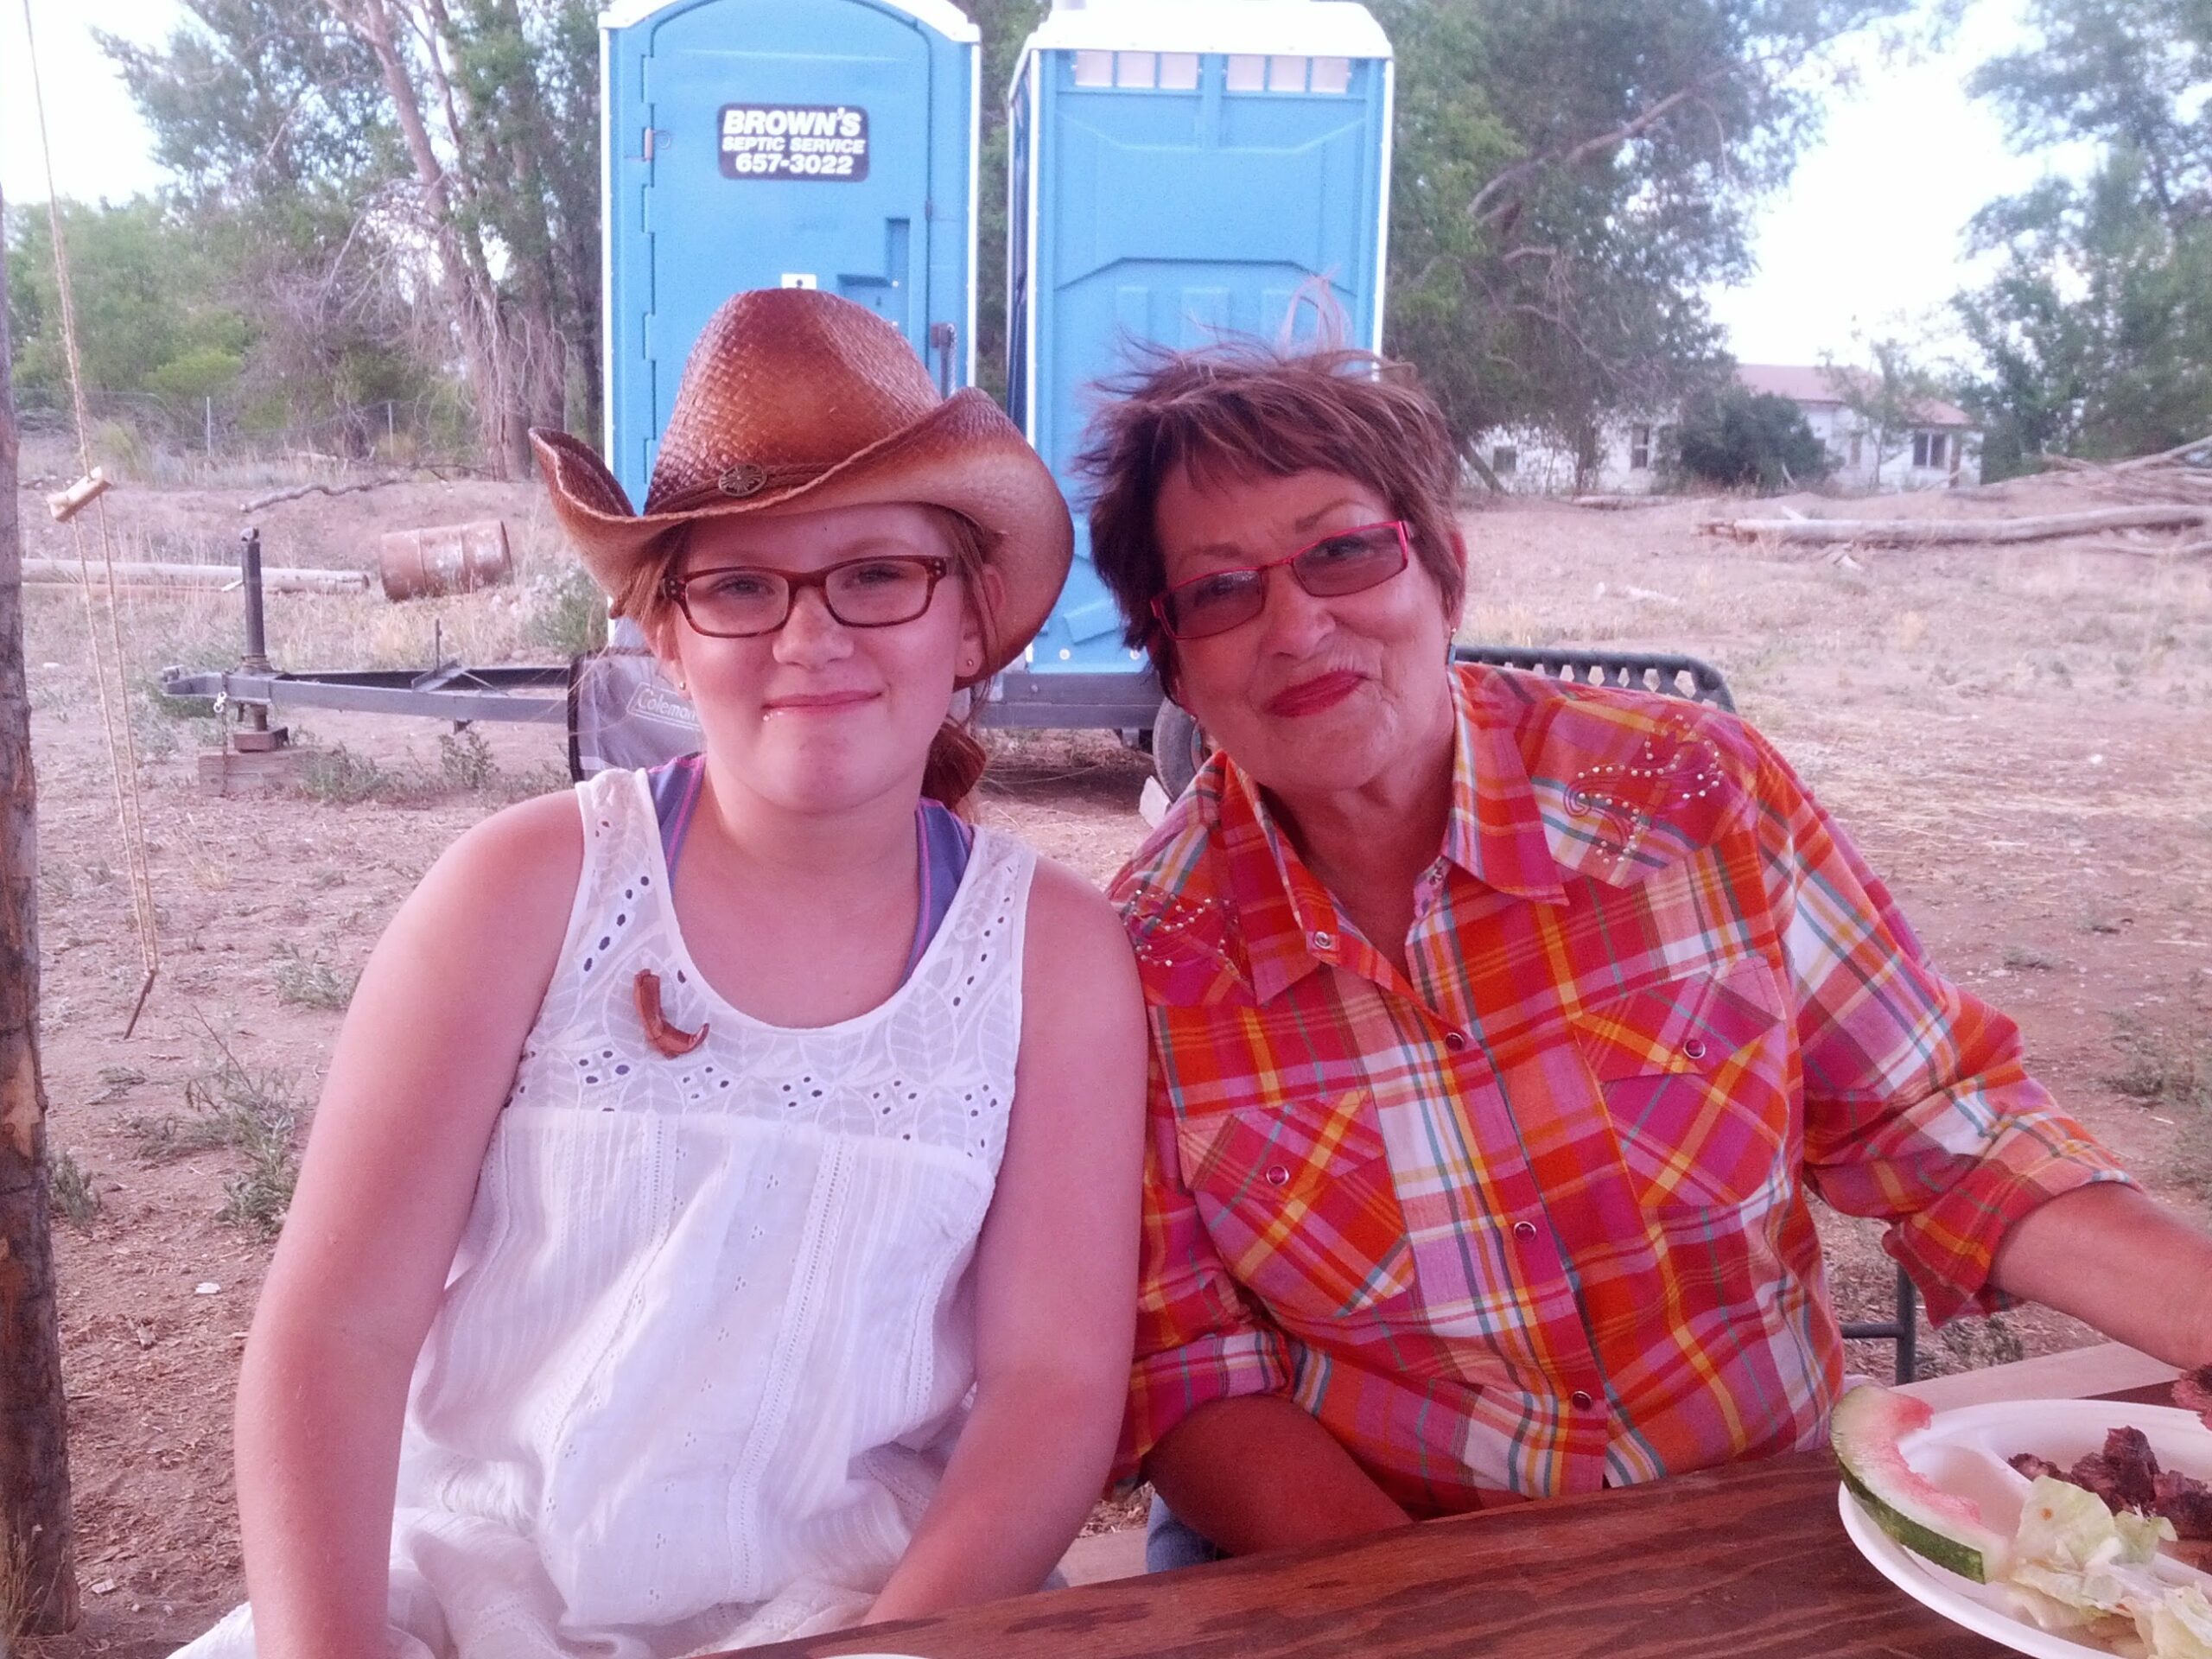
x=1918, y=1108
x=1198, y=1338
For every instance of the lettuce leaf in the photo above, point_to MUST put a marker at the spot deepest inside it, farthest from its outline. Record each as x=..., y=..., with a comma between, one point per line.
x=2074, y=1562
x=2180, y=1625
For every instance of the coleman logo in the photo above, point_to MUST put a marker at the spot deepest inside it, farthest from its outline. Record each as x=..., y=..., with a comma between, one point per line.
x=653, y=701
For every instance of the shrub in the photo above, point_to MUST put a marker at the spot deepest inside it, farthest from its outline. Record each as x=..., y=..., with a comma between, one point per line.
x=567, y=613
x=1741, y=439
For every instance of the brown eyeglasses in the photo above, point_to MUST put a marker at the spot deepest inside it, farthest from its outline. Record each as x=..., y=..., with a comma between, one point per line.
x=1343, y=561
x=740, y=601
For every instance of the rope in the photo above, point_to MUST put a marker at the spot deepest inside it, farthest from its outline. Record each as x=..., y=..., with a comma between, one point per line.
x=107, y=656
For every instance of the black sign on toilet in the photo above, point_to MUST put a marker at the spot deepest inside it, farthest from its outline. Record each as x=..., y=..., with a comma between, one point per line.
x=827, y=142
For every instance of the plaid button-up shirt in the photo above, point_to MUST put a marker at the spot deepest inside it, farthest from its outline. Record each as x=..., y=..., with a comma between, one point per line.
x=1532, y=1215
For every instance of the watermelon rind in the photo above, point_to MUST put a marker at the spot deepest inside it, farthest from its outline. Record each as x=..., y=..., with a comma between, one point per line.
x=1953, y=1555
x=1865, y=1430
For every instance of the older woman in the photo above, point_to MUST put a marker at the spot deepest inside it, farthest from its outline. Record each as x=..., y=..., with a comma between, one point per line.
x=1501, y=1028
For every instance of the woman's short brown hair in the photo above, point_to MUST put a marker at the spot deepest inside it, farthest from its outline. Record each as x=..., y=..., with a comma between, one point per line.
x=1251, y=410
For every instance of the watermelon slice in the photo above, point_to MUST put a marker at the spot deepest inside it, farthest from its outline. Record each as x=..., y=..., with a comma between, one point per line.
x=1866, y=1429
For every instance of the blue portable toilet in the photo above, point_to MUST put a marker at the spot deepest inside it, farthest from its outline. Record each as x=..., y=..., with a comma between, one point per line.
x=794, y=143
x=1180, y=169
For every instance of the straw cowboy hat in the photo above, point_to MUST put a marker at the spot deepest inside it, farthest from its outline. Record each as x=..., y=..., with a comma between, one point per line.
x=796, y=401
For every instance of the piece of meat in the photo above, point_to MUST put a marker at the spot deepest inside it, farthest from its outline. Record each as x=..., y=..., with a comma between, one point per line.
x=2092, y=1474
x=2193, y=1392
x=2186, y=1502
x=2124, y=1474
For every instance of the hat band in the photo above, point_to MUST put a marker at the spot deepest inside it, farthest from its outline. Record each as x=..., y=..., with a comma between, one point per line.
x=742, y=480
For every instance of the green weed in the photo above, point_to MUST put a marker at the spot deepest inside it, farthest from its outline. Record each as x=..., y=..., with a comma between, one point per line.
x=231, y=1107
x=260, y=1196
x=338, y=777
x=70, y=1184
x=116, y=1082
x=309, y=981
x=467, y=759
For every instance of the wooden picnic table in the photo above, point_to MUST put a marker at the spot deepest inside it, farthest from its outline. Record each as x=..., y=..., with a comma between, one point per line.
x=1748, y=1561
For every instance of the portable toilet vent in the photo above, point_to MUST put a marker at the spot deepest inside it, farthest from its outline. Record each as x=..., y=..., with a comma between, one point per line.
x=794, y=144
x=1179, y=173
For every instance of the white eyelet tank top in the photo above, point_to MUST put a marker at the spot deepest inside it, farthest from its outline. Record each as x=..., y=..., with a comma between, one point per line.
x=708, y=1337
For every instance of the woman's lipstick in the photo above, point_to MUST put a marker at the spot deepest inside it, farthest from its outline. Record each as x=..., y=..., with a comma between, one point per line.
x=1311, y=696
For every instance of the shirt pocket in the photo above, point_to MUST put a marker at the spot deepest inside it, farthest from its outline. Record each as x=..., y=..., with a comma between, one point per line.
x=1298, y=1199
x=1694, y=1074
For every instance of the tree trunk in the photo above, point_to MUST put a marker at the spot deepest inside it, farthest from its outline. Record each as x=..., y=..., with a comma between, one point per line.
x=510, y=190
x=463, y=276
x=38, y=1572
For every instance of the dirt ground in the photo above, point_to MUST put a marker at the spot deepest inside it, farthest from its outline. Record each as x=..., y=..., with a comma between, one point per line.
x=2020, y=740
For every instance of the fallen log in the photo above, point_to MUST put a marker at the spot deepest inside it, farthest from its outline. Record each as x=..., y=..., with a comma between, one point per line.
x=1941, y=532
x=2177, y=453
x=66, y=572
x=2147, y=549
x=298, y=490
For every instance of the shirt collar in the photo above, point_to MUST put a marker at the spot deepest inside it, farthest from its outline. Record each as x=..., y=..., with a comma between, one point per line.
x=1493, y=831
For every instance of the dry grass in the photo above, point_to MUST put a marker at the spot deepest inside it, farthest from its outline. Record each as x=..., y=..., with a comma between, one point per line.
x=1921, y=620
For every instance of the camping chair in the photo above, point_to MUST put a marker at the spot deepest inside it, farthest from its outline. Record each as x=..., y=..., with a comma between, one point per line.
x=622, y=712
x=1698, y=682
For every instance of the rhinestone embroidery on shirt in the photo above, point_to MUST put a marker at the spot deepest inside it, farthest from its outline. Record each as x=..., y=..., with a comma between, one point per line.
x=1675, y=768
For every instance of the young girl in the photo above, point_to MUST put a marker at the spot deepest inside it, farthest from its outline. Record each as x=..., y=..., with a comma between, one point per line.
x=720, y=1222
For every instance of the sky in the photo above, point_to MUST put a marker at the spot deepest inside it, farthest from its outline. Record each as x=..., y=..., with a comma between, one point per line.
x=1866, y=241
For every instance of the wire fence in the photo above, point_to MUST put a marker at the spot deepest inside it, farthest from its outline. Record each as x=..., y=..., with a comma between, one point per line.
x=166, y=437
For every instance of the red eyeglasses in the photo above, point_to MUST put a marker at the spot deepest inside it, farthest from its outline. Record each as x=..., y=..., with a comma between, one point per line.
x=1343, y=561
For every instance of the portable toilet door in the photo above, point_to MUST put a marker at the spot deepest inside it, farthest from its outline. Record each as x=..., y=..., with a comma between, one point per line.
x=794, y=143
x=1179, y=172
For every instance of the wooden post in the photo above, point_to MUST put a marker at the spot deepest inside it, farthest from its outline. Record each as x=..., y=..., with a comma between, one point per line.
x=38, y=1572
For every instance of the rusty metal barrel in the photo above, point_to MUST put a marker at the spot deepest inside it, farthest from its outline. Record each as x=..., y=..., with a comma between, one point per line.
x=445, y=559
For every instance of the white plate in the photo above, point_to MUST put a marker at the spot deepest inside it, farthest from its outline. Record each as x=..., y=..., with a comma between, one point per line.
x=1964, y=1451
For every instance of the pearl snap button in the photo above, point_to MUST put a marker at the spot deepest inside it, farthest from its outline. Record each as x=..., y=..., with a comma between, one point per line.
x=1278, y=1176
x=1524, y=1230
x=1455, y=1040
x=1694, y=1048
x=1323, y=940
x=1578, y=1400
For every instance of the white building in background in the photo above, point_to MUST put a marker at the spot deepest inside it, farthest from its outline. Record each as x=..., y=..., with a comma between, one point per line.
x=1940, y=449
